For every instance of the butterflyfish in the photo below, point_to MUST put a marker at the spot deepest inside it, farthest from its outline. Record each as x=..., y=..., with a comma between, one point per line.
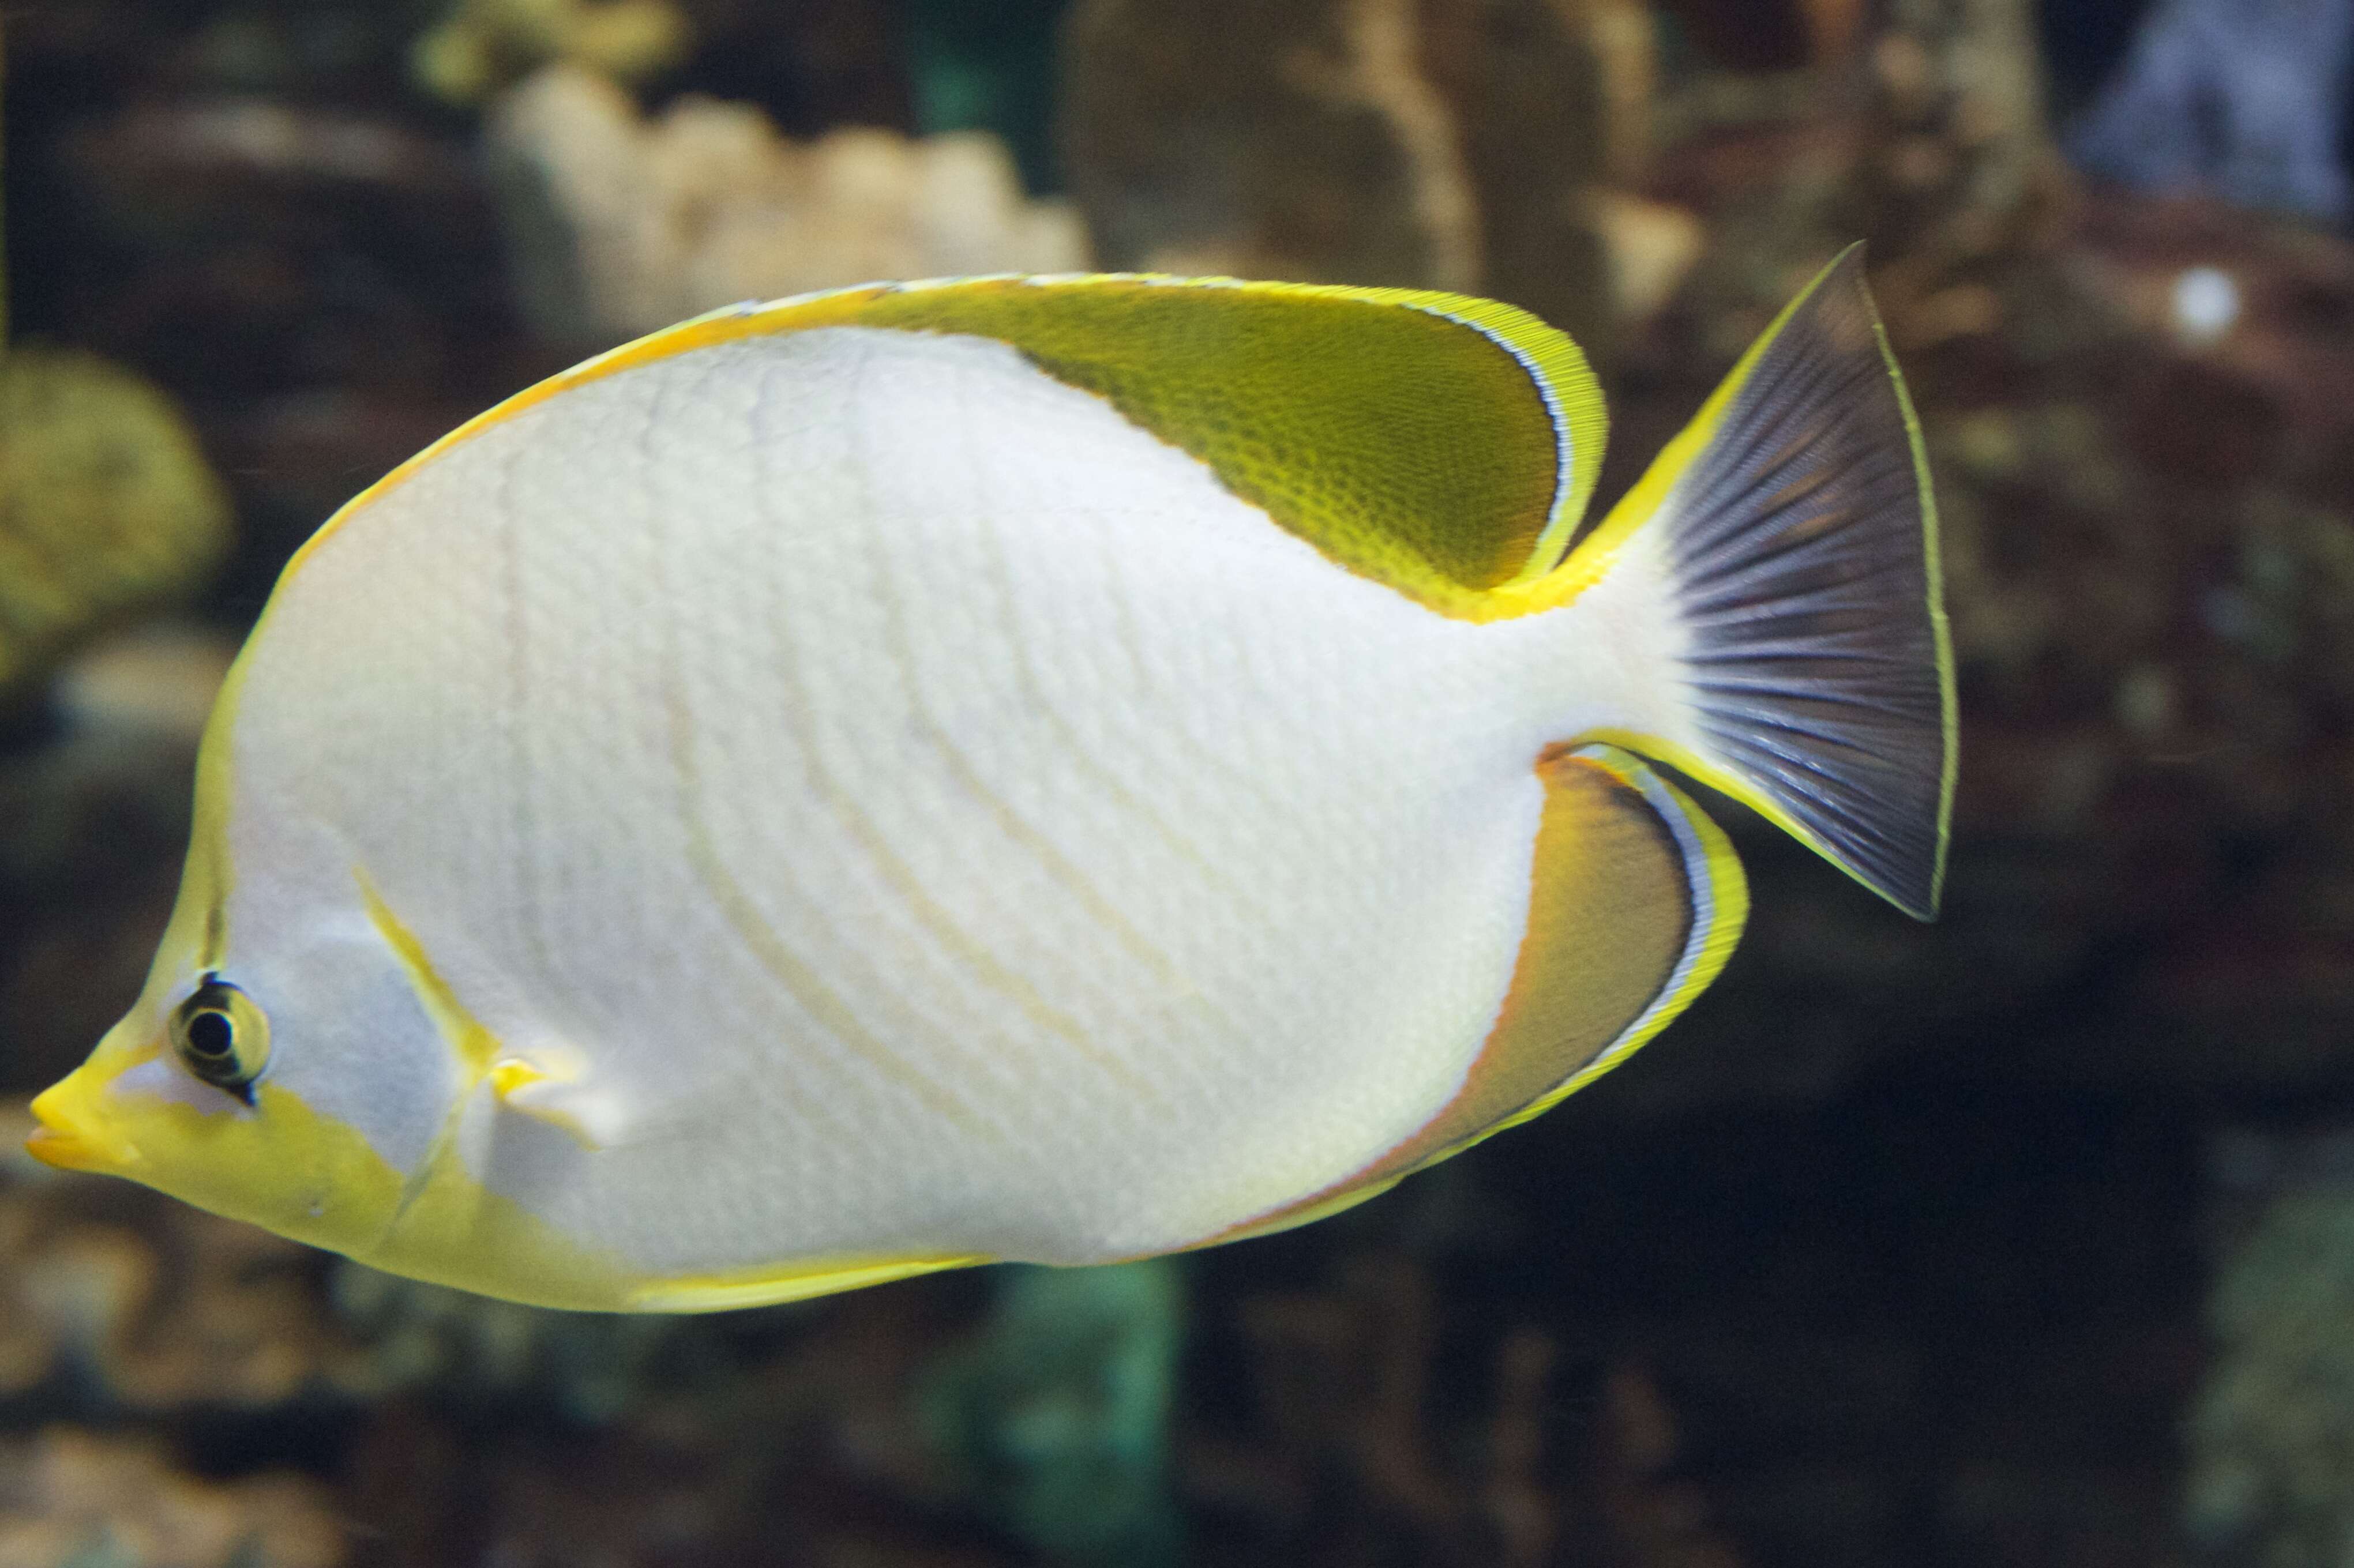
x=1060, y=769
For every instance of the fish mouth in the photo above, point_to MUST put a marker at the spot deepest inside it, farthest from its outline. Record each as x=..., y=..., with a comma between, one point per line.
x=70, y=1138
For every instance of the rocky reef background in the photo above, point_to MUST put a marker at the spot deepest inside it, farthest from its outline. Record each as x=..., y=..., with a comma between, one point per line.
x=2023, y=1239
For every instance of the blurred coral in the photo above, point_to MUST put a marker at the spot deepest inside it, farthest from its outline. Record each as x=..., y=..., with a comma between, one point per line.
x=93, y=825
x=588, y=1367
x=1492, y=148
x=1961, y=171
x=107, y=506
x=158, y=678
x=2271, y=1437
x=80, y=1499
x=1056, y=1418
x=155, y=1305
x=618, y=225
x=1929, y=141
x=1360, y=1426
x=483, y=45
x=1888, y=1255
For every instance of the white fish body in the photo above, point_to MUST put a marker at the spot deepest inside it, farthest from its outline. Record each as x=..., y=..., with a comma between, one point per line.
x=810, y=806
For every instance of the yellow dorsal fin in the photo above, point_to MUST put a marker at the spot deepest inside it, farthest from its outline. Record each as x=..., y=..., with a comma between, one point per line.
x=1440, y=444
x=1437, y=443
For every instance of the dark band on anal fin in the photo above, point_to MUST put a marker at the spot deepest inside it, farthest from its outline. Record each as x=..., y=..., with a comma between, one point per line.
x=1634, y=900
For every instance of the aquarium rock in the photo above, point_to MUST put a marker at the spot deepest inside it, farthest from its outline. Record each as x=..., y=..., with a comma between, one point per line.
x=1485, y=148
x=619, y=224
x=111, y=1304
x=93, y=826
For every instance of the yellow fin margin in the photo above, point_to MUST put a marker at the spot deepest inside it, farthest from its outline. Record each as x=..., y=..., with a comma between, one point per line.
x=769, y=1287
x=1635, y=901
x=1840, y=398
x=1441, y=444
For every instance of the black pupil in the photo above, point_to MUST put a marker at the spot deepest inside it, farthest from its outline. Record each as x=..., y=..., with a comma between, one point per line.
x=211, y=1035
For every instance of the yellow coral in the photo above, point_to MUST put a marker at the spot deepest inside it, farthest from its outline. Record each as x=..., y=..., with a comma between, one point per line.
x=483, y=45
x=106, y=505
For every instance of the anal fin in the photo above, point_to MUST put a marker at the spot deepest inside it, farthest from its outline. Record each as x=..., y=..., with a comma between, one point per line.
x=770, y=1287
x=1635, y=902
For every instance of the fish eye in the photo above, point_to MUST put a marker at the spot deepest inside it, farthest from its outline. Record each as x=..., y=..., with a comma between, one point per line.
x=222, y=1036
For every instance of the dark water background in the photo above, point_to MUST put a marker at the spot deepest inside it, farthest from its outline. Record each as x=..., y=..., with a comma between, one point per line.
x=2023, y=1239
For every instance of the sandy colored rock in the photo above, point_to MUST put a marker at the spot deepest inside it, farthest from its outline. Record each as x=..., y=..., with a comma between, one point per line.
x=1963, y=169
x=76, y=1497
x=619, y=224
x=1924, y=134
x=160, y=677
x=1458, y=145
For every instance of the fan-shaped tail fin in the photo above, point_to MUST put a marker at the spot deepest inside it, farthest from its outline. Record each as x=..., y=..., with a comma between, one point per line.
x=1794, y=539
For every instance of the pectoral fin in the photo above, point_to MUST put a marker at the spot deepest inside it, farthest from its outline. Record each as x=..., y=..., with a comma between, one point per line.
x=1442, y=445
x=558, y=1092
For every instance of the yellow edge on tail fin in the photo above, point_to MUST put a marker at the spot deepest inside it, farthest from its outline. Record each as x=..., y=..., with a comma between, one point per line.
x=1650, y=501
x=1941, y=627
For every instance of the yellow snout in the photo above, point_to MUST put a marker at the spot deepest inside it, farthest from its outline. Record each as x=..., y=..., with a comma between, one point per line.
x=75, y=1133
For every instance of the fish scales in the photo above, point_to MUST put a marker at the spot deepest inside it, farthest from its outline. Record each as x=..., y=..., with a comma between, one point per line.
x=836, y=721
x=910, y=777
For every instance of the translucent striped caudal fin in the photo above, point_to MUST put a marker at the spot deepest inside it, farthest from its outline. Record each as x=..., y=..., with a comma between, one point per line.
x=1796, y=537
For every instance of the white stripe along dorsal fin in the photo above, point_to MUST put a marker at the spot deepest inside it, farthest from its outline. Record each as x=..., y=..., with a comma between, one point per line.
x=1443, y=445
